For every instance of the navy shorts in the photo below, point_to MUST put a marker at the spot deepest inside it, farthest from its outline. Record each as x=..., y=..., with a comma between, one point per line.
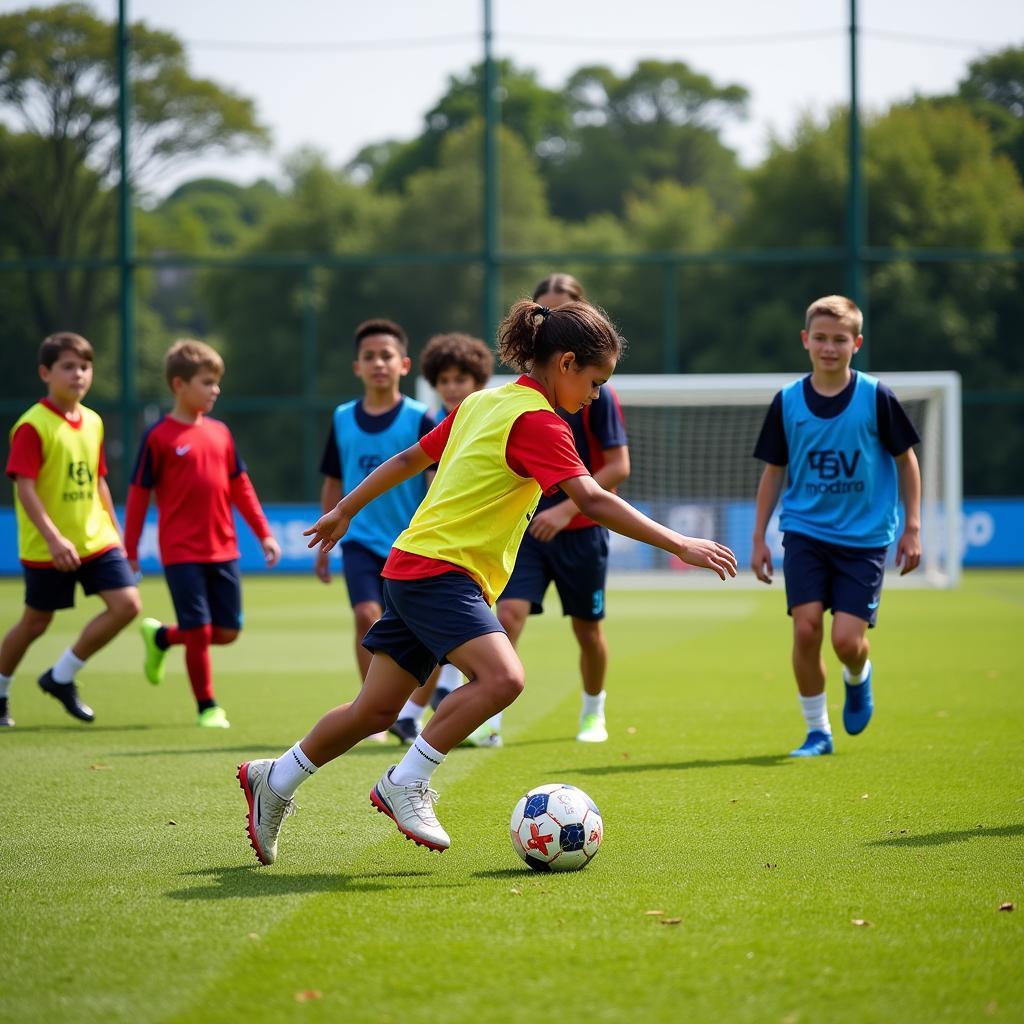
x=425, y=619
x=577, y=562
x=206, y=593
x=362, y=568
x=50, y=590
x=842, y=578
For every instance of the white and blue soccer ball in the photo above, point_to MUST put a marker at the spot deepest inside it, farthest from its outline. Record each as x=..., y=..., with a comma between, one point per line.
x=556, y=827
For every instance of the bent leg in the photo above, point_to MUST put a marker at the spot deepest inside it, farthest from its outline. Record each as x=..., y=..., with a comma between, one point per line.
x=123, y=605
x=366, y=613
x=512, y=614
x=850, y=641
x=29, y=628
x=496, y=678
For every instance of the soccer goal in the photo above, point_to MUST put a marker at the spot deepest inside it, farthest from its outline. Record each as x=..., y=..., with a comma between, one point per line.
x=691, y=439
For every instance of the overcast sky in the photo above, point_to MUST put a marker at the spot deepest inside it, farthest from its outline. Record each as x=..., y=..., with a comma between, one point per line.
x=337, y=75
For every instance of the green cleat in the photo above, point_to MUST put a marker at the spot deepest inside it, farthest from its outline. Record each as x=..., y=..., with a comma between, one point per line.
x=153, y=666
x=214, y=718
x=592, y=729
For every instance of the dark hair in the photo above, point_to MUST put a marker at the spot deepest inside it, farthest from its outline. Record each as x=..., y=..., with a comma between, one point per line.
x=368, y=327
x=461, y=351
x=560, y=284
x=63, y=341
x=531, y=334
x=186, y=357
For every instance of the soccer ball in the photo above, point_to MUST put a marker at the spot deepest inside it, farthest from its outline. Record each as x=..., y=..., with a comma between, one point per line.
x=556, y=827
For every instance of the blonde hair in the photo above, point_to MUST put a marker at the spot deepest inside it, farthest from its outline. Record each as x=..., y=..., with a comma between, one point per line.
x=840, y=308
x=186, y=357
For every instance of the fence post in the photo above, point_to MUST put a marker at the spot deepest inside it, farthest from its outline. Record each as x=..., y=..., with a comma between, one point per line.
x=126, y=246
x=855, y=199
x=669, y=318
x=309, y=331
x=491, y=193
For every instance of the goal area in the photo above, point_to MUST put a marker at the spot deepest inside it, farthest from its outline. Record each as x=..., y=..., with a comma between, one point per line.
x=691, y=439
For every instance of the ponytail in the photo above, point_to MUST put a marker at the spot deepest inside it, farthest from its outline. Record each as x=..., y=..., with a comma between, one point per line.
x=531, y=334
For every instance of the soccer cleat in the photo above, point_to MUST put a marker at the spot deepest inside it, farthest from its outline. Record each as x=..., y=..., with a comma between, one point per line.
x=816, y=744
x=406, y=730
x=5, y=714
x=484, y=736
x=859, y=705
x=267, y=810
x=411, y=808
x=214, y=718
x=592, y=729
x=153, y=666
x=67, y=694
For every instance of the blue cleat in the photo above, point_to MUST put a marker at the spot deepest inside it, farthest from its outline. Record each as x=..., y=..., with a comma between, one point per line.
x=816, y=744
x=859, y=705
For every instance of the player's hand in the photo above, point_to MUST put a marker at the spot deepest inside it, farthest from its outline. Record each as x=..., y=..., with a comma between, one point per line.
x=133, y=564
x=552, y=521
x=328, y=529
x=62, y=551
x=322, y=567
x=761, y=561
x=708, y=554
x=908, y=551
x=271, y=551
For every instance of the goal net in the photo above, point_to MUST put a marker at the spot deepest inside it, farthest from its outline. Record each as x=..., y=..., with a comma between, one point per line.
x=691, y=439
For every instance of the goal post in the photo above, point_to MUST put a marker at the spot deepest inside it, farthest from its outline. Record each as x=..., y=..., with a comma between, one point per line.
x=691, y=442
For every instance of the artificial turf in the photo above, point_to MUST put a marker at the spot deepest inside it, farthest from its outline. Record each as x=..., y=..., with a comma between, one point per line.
x=128, y=891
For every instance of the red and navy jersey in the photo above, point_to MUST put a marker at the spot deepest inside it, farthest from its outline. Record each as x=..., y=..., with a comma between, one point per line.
x=595, y=428
x=197, y=475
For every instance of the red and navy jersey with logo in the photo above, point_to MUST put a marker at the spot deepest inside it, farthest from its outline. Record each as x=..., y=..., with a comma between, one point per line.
x=196, y=475
x=595, y=428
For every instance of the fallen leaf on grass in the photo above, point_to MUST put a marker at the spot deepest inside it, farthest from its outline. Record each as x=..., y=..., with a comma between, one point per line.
x=172, y=823
x=254, y=935
x=631, y=730
x=653, y=913
x=860, y=922
x=516, y=892
x=99, y=767
x=671, y=920
x=307, y=995
x=771, y=866
x=1006, y=906
x=625, y=756
x=864, y=796
x=991, y=1009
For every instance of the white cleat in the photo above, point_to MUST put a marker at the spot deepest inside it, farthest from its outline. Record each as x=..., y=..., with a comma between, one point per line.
x=267, y=810
x=411, y=808
x=592, y=729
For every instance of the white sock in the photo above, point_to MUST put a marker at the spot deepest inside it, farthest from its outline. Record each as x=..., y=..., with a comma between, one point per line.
x=495, y=722
x=449, y=678
x=66, y=667
x=289, y=771
x=5, y=684
x=816, y=713
x=411, y=710
x=857, y=680
x=418, y=764
x=594, y=705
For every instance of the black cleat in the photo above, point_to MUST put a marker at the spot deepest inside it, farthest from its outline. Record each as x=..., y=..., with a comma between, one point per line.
x=406, y=731
x=5, y=715
x=67, y=694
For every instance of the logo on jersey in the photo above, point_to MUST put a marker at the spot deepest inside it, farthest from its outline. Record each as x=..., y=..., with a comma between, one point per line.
x=368, y=463
x=835, y=470
x=183, y=449
x=80, y=476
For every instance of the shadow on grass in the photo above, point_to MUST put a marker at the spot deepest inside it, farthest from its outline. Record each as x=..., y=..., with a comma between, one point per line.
x=760, y=761
x=961, y=836
x=257, y=882
x=83, y=728
x=507, y=873
x=257, y=749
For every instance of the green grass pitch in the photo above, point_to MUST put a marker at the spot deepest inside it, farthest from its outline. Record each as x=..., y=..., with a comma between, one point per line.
x=128, y=891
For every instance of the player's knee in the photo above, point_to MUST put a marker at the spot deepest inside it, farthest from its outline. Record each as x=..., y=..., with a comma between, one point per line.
x=512, y=619
x=848, y=647
x=126, y=605
x=36, y=623
x=220, y=635
x=807, y=632
x=589, y=634
x=506, y=682
x=366, y=615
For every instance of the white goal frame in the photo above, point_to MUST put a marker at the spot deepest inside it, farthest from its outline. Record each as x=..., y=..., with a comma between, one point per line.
x=941, y=464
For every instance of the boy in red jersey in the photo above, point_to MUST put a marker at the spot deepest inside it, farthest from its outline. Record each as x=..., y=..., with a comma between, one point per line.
x=496, y=454
x=67, y=529
x=191, y=463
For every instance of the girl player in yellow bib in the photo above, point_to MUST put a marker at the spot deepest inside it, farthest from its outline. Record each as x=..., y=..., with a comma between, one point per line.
x=496, y=454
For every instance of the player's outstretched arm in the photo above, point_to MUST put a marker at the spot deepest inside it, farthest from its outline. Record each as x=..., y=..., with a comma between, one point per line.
x=768, y=490
x=330, y=528
x=610, y=510
x=908, y=550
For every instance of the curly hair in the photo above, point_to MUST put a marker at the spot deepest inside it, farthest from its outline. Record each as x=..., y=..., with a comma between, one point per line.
x=461, y=351
x=531, y=334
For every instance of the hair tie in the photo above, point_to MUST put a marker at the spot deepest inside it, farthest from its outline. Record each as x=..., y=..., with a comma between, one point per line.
x=545, y=312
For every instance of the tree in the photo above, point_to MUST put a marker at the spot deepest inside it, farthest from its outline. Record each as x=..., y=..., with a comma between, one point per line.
x=994, y=88
x=58, y=85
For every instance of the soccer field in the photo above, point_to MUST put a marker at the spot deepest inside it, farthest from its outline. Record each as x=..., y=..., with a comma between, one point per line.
x=865, y=886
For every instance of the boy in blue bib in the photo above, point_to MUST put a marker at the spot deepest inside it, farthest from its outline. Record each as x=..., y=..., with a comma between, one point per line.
x=838, y=448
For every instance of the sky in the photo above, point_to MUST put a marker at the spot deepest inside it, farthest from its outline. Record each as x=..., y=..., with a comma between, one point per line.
x=338, y=74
